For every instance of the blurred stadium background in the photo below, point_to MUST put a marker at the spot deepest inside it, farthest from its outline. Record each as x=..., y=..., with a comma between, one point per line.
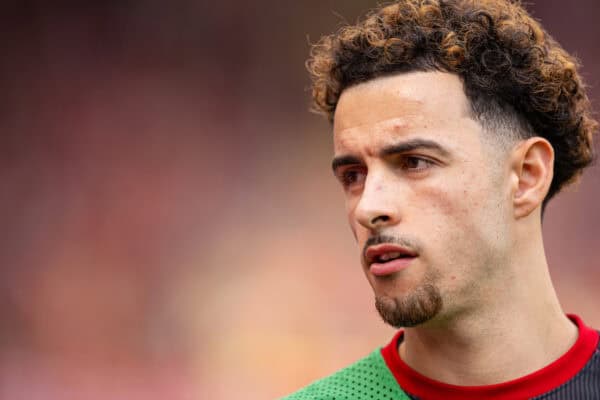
x=170, y=226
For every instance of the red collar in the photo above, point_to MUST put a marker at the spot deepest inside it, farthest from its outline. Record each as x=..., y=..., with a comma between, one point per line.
x=534, y=384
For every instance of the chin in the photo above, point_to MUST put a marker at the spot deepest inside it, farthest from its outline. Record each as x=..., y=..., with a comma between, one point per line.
x=411, y=309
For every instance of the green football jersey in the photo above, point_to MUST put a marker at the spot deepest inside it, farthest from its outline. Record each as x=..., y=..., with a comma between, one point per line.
x=366, y=379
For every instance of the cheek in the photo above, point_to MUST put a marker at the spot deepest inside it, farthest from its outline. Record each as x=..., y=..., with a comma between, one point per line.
x=442, y=205
x=459, y=197
x=465, y=233
x=455, y=218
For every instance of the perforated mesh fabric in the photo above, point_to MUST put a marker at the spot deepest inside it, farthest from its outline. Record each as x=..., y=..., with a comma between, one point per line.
x=367, y=379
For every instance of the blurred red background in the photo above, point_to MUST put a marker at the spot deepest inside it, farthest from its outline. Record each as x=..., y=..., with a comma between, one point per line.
x=171, y=228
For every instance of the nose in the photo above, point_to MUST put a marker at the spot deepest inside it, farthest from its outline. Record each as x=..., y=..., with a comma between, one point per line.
x=378, y=204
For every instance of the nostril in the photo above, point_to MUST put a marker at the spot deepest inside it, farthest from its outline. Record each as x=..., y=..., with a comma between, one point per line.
x=383, y=218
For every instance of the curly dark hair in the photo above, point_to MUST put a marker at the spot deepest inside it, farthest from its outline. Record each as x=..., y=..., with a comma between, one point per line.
x=510, y=67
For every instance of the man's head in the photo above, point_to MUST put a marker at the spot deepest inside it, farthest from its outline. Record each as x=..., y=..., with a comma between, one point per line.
x=454, y=123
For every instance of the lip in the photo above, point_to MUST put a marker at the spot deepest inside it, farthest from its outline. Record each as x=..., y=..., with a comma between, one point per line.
x=390, y=267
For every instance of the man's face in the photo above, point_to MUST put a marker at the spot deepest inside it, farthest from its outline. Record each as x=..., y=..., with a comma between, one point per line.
x=426, y=195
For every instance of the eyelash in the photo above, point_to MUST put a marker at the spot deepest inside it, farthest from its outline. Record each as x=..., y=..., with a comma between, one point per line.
x=427, y=161
x=349, y=177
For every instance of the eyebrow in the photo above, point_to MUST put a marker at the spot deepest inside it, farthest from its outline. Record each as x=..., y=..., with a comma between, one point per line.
x=403, y=147
x=344, y=160
x=414, y=144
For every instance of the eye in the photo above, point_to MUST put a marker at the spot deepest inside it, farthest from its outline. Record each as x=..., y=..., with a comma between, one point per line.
x=415, y=163
x=352, y=177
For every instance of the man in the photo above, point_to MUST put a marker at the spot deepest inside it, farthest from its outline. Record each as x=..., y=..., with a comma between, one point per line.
x=454, y=123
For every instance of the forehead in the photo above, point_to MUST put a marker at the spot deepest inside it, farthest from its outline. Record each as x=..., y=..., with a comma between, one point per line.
x=378, y=111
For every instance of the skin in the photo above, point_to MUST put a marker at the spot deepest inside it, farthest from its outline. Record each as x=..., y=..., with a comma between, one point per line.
x=416, y=167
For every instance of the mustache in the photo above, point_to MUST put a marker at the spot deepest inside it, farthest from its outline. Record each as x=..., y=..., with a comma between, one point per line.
x=406, y=242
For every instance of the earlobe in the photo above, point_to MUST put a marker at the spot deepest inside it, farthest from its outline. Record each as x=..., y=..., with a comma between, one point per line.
x=533, y=169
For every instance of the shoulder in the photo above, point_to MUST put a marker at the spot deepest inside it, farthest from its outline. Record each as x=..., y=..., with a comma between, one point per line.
x=369, y=378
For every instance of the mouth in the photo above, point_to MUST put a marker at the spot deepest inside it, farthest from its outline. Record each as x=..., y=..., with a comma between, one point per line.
x=386, y=259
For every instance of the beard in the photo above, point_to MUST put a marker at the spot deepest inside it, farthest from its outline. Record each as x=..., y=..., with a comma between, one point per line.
x=413, y=309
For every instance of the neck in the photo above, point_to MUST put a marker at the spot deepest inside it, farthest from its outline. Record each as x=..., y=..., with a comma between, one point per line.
x=516, y=329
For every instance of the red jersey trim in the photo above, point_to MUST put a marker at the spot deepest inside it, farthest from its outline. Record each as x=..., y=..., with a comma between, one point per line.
x=531, y=385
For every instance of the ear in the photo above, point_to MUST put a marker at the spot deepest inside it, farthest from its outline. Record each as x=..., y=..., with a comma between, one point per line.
x=532, y=169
